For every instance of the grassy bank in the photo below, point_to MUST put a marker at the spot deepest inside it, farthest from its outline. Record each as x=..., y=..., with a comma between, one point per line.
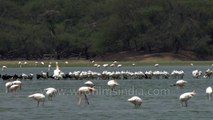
x=86, y=63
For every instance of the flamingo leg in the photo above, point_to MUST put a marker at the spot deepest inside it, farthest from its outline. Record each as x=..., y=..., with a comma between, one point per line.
x=186, y=103
x=43, y=103
x=38, y=104
x=182, y=104
x=86, y=99
x=80, y=99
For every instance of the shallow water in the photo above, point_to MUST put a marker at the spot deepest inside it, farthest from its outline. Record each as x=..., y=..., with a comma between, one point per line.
x=160, y=101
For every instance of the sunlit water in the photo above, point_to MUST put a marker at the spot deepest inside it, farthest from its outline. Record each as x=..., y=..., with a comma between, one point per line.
x=160, y=101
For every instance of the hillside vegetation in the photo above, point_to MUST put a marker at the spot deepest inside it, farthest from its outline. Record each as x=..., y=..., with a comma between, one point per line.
x=92, y=28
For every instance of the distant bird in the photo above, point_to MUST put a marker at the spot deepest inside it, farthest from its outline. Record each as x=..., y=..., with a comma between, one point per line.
x=49, y=67
x=112, y=84
x=89, y=84
x=42, y=63
x=39, y=97
x=115, y=62
x=66, y=62
x=209, y=92
x=185, y=97
x=4, y=68
x=50, y=92
x=191, y=64
x=208, y=73
x=133, y=64
x=137, y=101
x=20, y=64
x=156, y=65
x=119, y=65
x=180, y=83
x=83, y=91
x=57, y=72
x=36, y=63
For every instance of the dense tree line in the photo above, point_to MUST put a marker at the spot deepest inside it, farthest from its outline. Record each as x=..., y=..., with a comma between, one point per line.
x=66, y=28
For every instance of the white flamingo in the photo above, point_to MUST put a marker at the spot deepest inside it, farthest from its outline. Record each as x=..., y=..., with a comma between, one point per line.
x=209, y=92
x=185, y=97
x=89, y=83
x=156, y=65
x=39, y=97
x=17, y=82
x=8, y=85
x=112, y=84
x=50, y=92
x=57, y=72
x=180, y=83
x=4, y=68
x=83, y=91
x=13, y=88
x=137, y=101
x=49, y=67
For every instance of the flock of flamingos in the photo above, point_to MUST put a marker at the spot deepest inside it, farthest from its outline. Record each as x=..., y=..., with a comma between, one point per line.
x=13, y=85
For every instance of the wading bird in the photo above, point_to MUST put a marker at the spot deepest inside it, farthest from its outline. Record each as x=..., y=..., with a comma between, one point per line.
x=209, y=92
x=83, y=91
x=112, y=84
x=50, y=92
x=39, y=97
x=180, y=83
x=89, y=84
x=137, y=101
x=185, y=97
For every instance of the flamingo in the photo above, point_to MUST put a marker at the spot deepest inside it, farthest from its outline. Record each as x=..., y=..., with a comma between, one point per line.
x=137, y=101
x=17, y=82
x=50, y=92
x=89, y=84
x=49, y=67
x=36, y=63
x=185, y=97
x=156, y=65
x=112, y=84
x=57, y=72
x=8, y=85
x=39, y=97
x=4, y=68
x=20, y=64
x=13, y=88
x=180, y=83
x=209, y=92
x=83, y=91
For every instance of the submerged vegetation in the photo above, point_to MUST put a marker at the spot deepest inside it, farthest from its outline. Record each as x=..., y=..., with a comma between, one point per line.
x=89, y=28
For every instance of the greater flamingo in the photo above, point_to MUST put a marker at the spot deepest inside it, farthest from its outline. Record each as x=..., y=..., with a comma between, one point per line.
x=50, y=92
x=83, y=91
x=137, y=101
x=17, y=82
x=112, y=84
x=209, y=92
x=39, y=97
x=13, y=88
x=8, y=85
x=180, y=83
x=89, y=83
x=4, y=68
x=185, y=97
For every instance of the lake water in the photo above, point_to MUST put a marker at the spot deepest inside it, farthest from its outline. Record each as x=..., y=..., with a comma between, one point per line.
x=160, y=101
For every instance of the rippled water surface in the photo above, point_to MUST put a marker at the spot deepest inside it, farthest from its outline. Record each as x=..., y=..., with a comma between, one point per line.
x=160, y=101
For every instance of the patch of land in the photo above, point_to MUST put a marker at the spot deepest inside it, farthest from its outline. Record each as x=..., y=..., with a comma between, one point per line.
x=137, y=56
